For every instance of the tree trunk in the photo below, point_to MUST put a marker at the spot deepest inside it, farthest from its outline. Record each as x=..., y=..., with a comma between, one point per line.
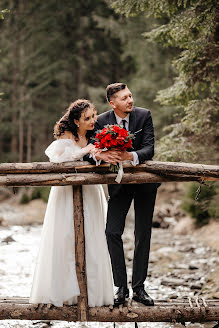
x=14, y=140
x=14, y=137
x=80, y=75
x=21, y=96
x=29, y=140
x=21, y=126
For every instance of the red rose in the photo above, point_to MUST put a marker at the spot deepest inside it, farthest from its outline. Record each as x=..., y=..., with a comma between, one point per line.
x=113, y=136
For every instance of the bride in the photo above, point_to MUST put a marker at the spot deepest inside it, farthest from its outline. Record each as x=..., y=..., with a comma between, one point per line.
x=55, y=279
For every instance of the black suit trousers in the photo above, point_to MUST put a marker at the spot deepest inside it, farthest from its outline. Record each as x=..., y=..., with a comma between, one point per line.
x=119, y=204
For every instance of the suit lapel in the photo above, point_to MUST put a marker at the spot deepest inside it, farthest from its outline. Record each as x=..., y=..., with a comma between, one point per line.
x=132, y=121
x=112, y=118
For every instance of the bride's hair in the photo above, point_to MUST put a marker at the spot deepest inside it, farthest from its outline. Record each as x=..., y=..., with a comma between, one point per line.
x=73, y=112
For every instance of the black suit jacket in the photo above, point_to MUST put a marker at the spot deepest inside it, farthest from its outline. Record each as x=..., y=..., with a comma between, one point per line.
x=140, y=121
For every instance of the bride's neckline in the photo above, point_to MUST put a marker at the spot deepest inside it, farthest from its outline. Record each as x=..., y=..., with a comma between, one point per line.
x=69, y=136
x=74, y=142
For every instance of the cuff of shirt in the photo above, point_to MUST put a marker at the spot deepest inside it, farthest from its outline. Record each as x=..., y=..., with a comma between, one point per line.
x=135, y=159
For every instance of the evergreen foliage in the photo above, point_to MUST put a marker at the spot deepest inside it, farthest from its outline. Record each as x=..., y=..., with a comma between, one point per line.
x=207, y=204
x=54, y=52
x=40, y=192
x=192, y=27
x=3, y=12
x=152, y=72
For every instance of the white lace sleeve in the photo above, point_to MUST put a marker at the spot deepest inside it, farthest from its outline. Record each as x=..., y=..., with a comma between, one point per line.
x=64, y=150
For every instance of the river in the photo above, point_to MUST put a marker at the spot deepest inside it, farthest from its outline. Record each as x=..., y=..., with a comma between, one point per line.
x=179, y=267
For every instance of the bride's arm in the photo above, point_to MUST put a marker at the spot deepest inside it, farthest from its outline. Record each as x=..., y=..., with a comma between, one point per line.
x=64, y=150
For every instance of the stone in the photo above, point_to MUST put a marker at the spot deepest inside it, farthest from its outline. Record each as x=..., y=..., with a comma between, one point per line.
x=173, y=282
x=193, y=267
x=8, y=239
x=196, y=286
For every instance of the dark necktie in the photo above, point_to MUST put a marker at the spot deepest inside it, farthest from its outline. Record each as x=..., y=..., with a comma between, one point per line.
x=123, y=124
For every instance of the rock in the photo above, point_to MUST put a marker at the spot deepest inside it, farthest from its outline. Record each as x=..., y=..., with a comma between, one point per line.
x=208, y=234
x=165, y=250
x=200, y=250
x=10, y=215
x=173, y=282
x=196, y=286
x=187, y=249
x=193, y=267
x=42, y=324
x=5, y=193
x=129, y=255
x=30, y=213
x=215, y=295
x=173, y=296
x=203, y=261
x=167, y=213
x=184, y=226
x=8, y=239
x=153, y=258
x=156, y=224
x=179, y=266
x=171, y=221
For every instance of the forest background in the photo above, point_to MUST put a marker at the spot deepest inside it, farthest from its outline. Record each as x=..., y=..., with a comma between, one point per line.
x=57, y=51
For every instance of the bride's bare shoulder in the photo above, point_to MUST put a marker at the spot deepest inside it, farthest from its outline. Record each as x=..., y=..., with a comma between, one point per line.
x=66, y=135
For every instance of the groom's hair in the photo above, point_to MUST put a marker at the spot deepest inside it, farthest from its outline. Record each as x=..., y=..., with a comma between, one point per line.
x=111, y=89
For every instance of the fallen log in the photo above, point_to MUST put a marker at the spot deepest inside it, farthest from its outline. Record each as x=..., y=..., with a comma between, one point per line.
x=63, y=179
x=85, y=167
x=20, y=309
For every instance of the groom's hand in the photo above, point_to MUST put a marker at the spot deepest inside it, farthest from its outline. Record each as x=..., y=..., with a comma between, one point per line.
x=126, y=156
x=110, y=156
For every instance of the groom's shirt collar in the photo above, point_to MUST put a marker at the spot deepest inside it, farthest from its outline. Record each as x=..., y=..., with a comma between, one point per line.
x=119, y=119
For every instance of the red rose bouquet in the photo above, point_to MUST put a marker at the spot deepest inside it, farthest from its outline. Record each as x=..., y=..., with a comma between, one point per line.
x=113, y=137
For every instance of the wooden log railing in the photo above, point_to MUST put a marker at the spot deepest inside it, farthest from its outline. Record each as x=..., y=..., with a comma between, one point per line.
x=79, y=173
x=163, y=311
x=82, y=173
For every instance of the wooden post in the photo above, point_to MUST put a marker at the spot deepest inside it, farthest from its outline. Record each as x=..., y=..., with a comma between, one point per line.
x=80, y=253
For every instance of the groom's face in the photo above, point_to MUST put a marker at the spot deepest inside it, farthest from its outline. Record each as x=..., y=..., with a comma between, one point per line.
x=122, y=102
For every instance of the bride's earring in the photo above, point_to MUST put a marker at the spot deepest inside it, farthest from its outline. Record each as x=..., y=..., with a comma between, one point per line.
x=77, y=125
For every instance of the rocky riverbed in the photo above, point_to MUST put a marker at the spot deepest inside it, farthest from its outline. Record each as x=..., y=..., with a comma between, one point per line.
x=180, y=265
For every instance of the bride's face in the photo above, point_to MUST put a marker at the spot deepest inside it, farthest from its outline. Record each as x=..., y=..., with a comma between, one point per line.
x=87, y=119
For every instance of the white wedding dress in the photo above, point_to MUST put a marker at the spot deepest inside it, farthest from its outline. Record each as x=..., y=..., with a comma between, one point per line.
x=55, y=278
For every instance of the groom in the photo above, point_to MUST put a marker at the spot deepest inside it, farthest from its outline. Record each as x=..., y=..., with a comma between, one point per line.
x=121, y=195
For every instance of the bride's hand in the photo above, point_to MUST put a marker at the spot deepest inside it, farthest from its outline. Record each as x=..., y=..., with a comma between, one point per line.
x=90, y=148
x=94, y=151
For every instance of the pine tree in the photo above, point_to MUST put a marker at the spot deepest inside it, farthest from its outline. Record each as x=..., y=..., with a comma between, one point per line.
x=54, y=53
x=192, y=27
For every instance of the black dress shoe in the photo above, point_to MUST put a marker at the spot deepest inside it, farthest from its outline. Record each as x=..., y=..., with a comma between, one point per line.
x=121, y=294
x=142, y=297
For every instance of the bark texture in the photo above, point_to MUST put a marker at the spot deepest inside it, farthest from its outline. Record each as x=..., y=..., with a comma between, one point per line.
x=162, y=312
x=62, y=179
x=82, y=310
x=164, y=168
